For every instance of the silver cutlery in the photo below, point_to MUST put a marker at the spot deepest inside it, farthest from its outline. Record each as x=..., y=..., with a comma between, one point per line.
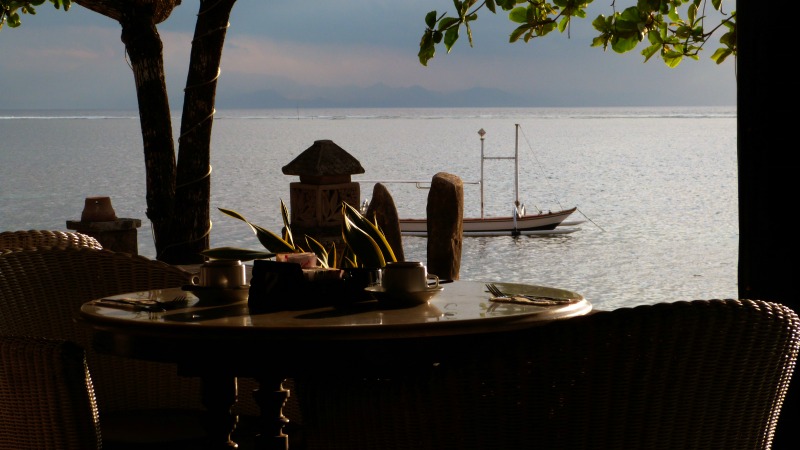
x=131, y=304
x=176, y=302
x=142, y=304
x=541, y=299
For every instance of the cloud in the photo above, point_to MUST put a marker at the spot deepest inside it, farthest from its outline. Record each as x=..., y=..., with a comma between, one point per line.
x=319, y=64
x=47, y=50
x=295, y=46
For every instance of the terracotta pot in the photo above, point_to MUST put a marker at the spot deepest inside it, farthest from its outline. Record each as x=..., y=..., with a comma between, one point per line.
x=98, y=209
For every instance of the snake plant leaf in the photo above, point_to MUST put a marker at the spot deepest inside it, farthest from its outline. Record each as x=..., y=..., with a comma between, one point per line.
x=268, y=239
x=371, y=229
x=272, y=241
x=234, y=214
x=348, y=258
x=287, y=227
x=333, y=256
x=323, y=257
x=236, y=253
x=365, y=248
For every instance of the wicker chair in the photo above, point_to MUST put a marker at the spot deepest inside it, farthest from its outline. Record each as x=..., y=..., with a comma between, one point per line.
x=704, y=374
x=46, y=238
x=41, y=290
x=46, y=397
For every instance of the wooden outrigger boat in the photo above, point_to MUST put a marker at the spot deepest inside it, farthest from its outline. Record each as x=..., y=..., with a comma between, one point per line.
x=532, y=224
x=519, y=223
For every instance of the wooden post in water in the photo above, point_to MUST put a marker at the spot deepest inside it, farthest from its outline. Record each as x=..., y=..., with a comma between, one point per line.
x=382, y=207
x=445, y=212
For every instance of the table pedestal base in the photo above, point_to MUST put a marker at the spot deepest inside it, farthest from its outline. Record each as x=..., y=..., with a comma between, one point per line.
x=219, y=397
x=271, y=436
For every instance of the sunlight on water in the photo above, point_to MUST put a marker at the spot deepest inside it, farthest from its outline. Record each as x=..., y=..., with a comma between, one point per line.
x=658, y=185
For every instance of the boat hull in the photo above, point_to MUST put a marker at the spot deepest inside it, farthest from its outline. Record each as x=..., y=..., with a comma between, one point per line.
x=535, y=222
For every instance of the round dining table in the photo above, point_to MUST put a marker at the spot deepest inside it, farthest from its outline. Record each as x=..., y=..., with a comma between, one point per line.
x=219, y=340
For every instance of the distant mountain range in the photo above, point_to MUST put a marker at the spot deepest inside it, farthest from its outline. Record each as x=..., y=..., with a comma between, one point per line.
x=377, y=96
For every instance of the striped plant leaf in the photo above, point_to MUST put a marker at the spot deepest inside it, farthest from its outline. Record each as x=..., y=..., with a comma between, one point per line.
x=371, y=229
x=287, y=227
x=326, y=259
x=367, y=251
x=268, y=239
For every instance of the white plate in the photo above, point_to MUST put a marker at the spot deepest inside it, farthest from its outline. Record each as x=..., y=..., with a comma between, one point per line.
x=218, y=295
x=404, y=297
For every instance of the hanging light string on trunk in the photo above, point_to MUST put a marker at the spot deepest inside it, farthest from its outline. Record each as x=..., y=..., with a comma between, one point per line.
x=191, y=129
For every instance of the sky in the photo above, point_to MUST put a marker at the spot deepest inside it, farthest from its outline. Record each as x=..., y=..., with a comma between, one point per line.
x=76, y=60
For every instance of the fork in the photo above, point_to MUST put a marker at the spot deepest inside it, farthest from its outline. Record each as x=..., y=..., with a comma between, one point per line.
x=132, y=304
x=495, y=291
x=145, y=304
x=178, y=301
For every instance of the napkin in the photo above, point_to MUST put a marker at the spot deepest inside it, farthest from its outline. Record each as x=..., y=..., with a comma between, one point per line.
x=531, y=300
x=142, y=304
x=131, y=304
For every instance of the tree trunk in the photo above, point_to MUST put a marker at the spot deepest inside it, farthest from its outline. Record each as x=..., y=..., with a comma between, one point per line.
x=178, y=195
x=191, y=219
x=144, y=48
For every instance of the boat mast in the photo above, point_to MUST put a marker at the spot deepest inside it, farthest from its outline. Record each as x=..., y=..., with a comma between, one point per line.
x=516, y=169
x=481, y=133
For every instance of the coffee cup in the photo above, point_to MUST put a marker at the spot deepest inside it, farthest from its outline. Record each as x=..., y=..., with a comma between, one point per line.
x=221, y=273
x=407, y=276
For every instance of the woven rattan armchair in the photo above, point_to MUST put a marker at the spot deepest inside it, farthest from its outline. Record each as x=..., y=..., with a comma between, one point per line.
x=46, y=238
x=41, y=290
x=46, y=397
x=705, y=374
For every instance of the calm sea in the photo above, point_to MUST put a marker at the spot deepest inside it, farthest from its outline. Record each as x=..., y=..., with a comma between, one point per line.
x=656, y=186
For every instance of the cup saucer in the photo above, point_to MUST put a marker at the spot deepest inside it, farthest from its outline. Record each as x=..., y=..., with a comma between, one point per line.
x=404, y=297
x=216, y=295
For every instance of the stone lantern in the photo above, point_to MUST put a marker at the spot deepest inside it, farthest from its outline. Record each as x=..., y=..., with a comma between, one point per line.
x=315, y=202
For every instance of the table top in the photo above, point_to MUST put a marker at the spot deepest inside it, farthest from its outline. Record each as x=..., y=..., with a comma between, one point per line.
x=462, y=307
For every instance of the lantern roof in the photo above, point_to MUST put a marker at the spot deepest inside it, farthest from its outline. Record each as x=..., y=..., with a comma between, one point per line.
x=323, y=158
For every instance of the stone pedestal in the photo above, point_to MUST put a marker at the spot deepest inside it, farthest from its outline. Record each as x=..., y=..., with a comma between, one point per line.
x=316, y=209
x=119, y=235
x=316, y=201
